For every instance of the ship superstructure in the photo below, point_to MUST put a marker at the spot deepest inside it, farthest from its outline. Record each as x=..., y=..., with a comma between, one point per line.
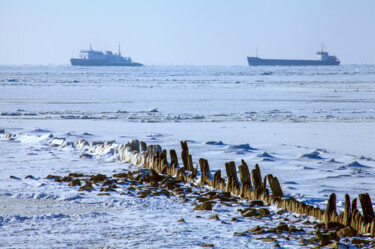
x=98, y=58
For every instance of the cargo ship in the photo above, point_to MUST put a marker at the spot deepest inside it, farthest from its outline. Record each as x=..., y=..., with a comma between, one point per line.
x=98, y=58
x=324, y=59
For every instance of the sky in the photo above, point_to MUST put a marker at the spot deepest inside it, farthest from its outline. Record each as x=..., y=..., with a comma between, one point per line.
x=186, y=32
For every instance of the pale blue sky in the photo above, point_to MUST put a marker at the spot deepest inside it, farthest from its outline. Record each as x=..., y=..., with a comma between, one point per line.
x=191, y=32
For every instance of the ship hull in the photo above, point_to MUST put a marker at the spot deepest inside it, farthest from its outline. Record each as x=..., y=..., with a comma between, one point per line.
x=256, y=61
x=97, y=63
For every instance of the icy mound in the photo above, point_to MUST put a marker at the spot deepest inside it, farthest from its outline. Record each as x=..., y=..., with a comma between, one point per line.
x=214, y=143
x=264, y=154
x=154, y=109
x=241, y=147
x=39, y=130
x=313, y=155
x=356, y=164
x=57, y=141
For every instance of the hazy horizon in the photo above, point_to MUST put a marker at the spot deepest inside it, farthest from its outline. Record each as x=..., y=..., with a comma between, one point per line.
x=193, y=32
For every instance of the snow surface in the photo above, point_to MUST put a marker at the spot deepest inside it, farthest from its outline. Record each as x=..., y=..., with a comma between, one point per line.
x=312, y=127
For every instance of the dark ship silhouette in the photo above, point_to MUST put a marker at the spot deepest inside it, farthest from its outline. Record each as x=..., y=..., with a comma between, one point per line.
x=324, y=59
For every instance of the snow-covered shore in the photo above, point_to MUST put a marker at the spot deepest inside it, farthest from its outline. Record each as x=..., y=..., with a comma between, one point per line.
x=45, y=203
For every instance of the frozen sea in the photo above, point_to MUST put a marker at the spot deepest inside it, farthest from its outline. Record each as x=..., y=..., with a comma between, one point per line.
x=316, y=125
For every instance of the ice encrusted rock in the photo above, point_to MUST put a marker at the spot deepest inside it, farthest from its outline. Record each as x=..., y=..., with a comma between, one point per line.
x=204, y=206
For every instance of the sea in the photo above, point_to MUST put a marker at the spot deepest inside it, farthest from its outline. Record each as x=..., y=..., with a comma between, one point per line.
x=312, y=127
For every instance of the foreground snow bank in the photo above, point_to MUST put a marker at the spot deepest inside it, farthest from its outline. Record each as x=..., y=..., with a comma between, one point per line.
x=250, y=186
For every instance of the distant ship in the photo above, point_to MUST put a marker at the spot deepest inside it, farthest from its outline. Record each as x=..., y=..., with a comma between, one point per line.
x=98, y=58
x=324, y=59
